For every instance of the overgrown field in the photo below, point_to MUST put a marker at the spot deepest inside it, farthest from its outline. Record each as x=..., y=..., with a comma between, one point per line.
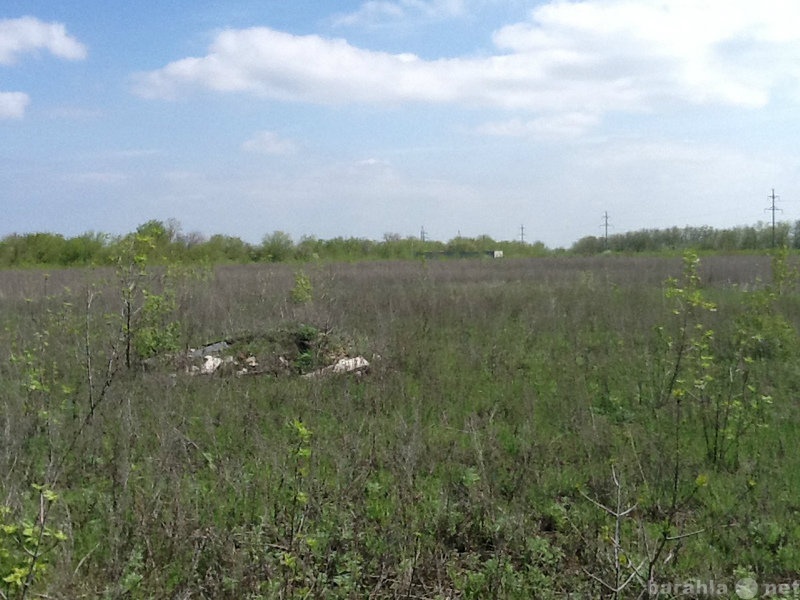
x=529, y=428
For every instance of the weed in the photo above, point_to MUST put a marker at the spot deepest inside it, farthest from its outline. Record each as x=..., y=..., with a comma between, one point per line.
x=26, y=546
x=302, y=292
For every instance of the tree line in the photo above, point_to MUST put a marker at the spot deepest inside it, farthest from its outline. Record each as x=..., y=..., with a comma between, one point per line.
x=761, y=236
x=164, y=242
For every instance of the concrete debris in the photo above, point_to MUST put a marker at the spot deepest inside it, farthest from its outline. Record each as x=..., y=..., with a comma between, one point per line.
x=210, y=364
x=214, y=348
x=356, y=366
x=348, y=365
x=225, y=358
x=213, y=364
x=250, y=363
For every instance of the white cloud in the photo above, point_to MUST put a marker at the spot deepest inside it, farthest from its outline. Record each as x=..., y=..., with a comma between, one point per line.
x=377, y=11
x=309, y=68
x=715, y=51
x=372, y=162
x=25, y=35
x=29, y=34
x=557, y=126
x=269, y=142
x=371, y=12
x=13, y=105
x=313, y=69
x=571, y=62
x=370, y=168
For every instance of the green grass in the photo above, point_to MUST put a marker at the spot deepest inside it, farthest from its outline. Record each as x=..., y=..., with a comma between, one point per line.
x=470, y=462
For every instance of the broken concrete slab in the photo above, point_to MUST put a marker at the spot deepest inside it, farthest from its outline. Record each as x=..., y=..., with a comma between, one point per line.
x=210, y=364
x=356, y=365
x=214, y=348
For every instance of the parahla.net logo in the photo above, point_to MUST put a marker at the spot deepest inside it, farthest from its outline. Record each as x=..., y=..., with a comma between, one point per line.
x=746, y=588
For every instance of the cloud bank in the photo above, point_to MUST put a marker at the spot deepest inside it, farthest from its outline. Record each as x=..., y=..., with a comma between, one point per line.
x=569, y=62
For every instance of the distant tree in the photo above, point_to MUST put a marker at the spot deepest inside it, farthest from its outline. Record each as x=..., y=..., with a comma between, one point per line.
x=749, y=238
x=224, y=248
x=191, y=240
x=796, y=235
x=85, y=249
x=277, y=247
x=341, y=248
x=671, y=239
x=10, y=250
x=462, y=245
x=588, y=245
x=638, y=241
x=308, y=248
x=727, y=240
x=782, y=235
x=36, y=249
x=154, y=240
x=156, y=231
x=394, y=246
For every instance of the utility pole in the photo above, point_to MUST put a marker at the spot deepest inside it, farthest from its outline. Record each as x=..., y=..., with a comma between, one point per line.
x=522, y=233
x=773, y=209
x=605, y=226
x=422, y=233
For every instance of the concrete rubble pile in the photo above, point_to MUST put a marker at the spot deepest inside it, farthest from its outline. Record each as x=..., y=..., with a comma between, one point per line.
x=214, y=362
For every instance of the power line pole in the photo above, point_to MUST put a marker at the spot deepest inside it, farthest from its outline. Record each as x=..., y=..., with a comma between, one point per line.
x=522, y=233
x=773, y=209
x=605, y=225
x=422, y=233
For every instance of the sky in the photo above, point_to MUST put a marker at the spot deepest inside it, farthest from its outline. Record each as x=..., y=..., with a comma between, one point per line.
x=515, y=119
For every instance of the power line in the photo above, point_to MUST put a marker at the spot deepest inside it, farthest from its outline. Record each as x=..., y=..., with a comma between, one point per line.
x=773, y=209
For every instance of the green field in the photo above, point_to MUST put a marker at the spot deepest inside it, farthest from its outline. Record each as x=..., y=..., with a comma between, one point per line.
x=528, y=428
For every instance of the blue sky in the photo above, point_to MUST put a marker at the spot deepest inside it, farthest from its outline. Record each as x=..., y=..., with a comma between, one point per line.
x=363, y=118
